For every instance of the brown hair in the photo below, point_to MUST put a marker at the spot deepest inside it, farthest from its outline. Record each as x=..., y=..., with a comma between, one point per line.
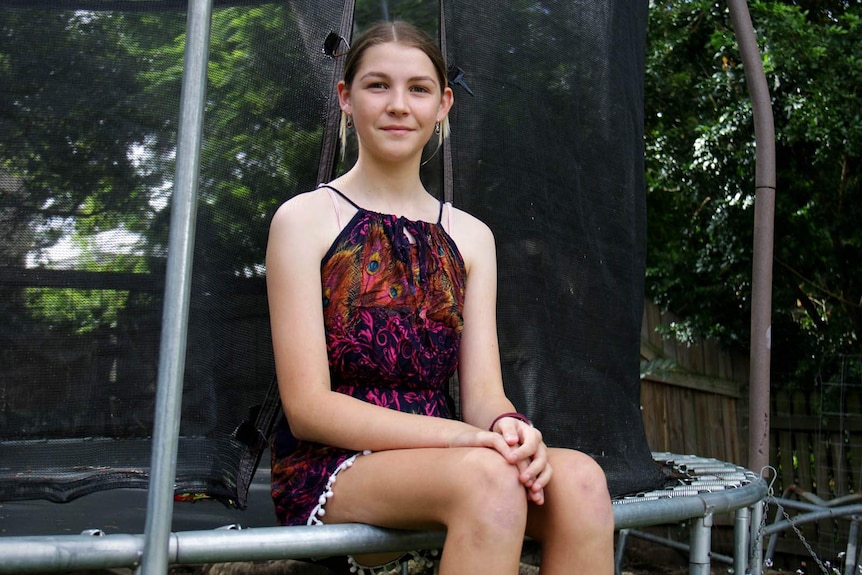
x=399, y=32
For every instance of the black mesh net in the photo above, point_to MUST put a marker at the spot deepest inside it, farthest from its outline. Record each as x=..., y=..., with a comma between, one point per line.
x=547, y=150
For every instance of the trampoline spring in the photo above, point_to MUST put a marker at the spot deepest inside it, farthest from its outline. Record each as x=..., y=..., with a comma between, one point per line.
x=719, y=478
x=680, y=491
x=699, y=489
x=635, y=499
x=704, y=478
x=713, y=469
x=725, y=484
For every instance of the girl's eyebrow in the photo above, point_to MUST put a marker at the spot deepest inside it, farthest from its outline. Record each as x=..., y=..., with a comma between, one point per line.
x=385, y=76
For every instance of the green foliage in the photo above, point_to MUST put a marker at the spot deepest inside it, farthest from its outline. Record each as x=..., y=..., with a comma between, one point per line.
x=659, y=365
x=77, y=310
x=700, y=175
x=88, y=122
x=698, y=153
x=68, y=123
x=256, y=146
x=68, y=116
x=82, y=311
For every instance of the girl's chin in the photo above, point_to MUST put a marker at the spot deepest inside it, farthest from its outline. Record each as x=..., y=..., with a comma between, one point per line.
x=396, y=153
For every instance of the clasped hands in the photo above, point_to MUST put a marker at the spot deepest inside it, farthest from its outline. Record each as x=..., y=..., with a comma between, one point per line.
x=523, y=447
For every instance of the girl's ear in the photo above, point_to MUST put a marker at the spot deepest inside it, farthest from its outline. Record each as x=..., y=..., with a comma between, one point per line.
x=343, y=97
x=447, y=98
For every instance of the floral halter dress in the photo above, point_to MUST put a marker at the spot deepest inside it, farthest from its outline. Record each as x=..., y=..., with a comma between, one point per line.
x=393, y=296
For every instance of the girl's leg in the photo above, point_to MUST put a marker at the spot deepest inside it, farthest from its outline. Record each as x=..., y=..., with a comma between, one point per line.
x=473, y=492
x=576, y=524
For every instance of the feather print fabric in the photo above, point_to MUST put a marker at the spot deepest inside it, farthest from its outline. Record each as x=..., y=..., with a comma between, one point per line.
x=393, y=295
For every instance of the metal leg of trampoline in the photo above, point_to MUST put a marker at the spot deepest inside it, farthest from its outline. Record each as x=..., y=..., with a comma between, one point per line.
x=756, y=565
x=701, y=540
x=741, y=526
x=622, y=537
x=852, y=545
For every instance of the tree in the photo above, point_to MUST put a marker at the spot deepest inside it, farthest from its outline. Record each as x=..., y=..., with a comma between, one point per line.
x=700, y=176
x=88, y=128
x=68, y=120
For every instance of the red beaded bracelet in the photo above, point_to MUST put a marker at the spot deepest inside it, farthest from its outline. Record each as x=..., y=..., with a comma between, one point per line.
x=513, y=415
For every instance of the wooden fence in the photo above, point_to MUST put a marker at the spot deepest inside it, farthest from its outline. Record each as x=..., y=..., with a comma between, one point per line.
x=694, y=397
x=695, y=401
x=816, y=447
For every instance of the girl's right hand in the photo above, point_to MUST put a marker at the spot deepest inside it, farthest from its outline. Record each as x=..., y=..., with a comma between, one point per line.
x=534, y=474
x=475, y=437
x=529, y=453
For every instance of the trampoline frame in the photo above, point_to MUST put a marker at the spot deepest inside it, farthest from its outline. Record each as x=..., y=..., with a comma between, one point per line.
x=708, y=487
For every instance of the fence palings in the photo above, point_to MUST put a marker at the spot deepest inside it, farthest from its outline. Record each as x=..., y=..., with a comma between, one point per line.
x=817, y=445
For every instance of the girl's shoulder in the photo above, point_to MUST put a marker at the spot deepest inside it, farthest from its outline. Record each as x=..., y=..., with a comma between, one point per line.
x=312, y=203
x=312, y=208
x=466, y=220
x=310, y=215
x=472, y=236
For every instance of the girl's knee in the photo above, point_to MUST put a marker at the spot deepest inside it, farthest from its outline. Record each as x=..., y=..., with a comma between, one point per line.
x=488, y=485
x=486, y=472
x=580, y=472
x=580, y=484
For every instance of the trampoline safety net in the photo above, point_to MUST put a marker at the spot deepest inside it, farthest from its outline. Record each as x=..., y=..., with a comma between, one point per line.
x=546, y=148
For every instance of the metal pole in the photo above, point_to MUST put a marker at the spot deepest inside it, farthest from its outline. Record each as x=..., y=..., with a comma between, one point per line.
x=701, y=545
x=177, y=288
x=40, y=554
x=755, y=563
x=622, y=537
x=678, y=545
x=764, y=209
x=741, y=526
x=819, y=515
x=852, y=542
x=66, y=553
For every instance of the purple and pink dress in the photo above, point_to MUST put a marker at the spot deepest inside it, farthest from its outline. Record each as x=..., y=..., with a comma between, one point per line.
x=393, y=296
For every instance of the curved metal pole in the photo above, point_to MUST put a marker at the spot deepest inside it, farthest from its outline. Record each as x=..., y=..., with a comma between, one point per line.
x=172, y=348
x=65, y=553
x=764, y=210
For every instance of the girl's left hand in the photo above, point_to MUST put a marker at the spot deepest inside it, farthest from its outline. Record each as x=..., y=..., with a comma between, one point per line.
x=531, y=456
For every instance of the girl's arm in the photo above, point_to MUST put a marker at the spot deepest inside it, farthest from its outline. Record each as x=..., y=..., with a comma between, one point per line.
x=479, y=374
x=301, y=232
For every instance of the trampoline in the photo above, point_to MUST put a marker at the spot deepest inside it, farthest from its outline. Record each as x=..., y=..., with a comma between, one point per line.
x=163, y=381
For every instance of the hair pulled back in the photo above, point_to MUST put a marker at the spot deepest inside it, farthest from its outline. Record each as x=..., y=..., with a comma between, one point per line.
x=398, y=32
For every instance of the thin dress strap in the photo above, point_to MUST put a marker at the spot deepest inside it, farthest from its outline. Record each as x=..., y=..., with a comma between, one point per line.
x=335, y=207
x=448, y=226
x=330, y=189
x=346, y=199
x=352, y=203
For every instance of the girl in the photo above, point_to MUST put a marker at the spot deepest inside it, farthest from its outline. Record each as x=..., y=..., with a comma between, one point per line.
x=379, y=293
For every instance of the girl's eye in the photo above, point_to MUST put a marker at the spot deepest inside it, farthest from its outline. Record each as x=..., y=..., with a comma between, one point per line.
x=421, y=89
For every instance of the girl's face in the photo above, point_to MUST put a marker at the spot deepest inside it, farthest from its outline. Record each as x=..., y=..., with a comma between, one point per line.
x=395, y=100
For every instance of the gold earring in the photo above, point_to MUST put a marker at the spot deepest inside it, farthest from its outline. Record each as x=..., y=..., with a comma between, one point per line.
x=437, y=128
x=349, y=121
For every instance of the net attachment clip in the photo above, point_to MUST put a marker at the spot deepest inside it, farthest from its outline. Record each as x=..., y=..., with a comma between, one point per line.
x=456, y=76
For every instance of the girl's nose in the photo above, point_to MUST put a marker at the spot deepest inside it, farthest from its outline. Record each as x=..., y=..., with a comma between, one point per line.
x=397, y=103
